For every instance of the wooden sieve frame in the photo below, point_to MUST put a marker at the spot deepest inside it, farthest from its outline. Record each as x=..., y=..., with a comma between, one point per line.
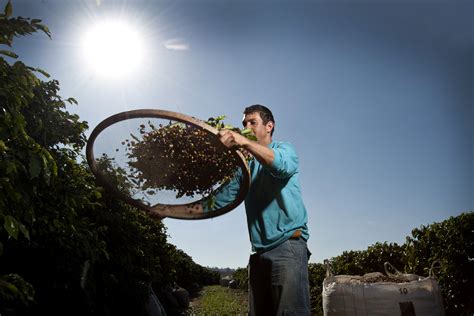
x=189, y=211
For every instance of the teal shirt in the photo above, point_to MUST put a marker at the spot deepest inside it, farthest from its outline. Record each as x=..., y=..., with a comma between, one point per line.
x=274, y=204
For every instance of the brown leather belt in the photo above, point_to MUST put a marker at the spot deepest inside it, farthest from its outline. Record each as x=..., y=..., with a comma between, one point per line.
x=296, y=234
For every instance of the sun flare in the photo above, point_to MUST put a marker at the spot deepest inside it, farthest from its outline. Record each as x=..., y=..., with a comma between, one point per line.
x=113, y=48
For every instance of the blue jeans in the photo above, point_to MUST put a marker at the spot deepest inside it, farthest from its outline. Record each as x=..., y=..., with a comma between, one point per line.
x=278, y=280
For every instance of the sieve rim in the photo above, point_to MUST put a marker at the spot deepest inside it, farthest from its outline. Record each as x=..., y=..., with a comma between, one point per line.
x=190, y=210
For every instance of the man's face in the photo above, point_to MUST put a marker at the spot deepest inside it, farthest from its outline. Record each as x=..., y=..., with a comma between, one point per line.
x=255, y=123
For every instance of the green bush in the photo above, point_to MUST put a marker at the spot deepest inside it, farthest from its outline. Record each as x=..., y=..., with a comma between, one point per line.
x=241, y=275
x=44, y=240
x=450, y=242
x=317, y=273
x=187, y=272
x=370, y=260
x=66, y=246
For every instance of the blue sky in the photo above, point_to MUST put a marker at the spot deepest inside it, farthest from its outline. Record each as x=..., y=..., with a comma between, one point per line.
x=376, y=96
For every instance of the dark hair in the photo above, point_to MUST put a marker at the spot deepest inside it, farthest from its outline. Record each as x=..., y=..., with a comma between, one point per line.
x=264, y=112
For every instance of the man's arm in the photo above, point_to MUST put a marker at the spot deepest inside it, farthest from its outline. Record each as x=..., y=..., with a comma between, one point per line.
x=225, y=194
x=281, y=161
x=263, y=154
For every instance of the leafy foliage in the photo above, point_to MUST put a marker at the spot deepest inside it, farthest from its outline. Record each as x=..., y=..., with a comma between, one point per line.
x=187, y=272
x=317, y=273
x=18, y=26
x=242, y=277
x=370, y=260
x=15, y=290
x=450, y=242
x=66, y=246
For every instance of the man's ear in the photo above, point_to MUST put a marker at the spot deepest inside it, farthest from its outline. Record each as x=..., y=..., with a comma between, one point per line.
x=270, y=126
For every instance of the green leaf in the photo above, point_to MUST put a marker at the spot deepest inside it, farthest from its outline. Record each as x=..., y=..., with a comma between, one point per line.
x=211, y=202
x=8, y=9
x=44, y=73
x=3, y=147
x=44, y=28
x=248, y=134
x=246, y=131
x=57, y=224
x=8, y=53
x=72, y=100
x=24, y=231
x=106, y=254
x=11, y=226
x=97, y=194
x=34, y=167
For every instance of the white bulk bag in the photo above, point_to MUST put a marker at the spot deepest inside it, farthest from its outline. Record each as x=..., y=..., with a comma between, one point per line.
x=371, y=294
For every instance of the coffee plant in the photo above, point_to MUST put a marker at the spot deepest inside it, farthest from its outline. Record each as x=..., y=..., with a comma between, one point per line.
x=451, y=243
x=67, y=247
x=241, y=276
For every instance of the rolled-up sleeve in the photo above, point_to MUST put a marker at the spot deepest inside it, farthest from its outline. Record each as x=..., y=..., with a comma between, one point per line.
x=285, y=162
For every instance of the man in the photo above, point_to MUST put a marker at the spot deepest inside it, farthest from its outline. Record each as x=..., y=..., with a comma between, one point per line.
x=277, y=220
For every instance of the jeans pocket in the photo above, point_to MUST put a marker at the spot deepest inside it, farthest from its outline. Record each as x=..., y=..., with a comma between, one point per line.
x=295, y=246
x=298, y=248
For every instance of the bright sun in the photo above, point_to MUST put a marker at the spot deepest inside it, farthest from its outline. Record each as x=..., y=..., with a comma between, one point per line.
x=113, y=48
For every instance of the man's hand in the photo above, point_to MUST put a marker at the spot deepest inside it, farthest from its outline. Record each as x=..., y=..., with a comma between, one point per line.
x=231, y=139
x=262, y=153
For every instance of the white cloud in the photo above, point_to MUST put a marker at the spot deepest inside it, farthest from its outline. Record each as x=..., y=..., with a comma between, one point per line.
x=176, y=44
